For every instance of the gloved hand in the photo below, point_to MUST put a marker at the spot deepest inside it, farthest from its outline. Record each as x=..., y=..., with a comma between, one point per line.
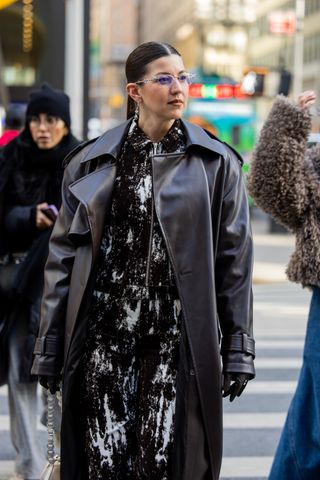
x=235, y=389
x=51, y=383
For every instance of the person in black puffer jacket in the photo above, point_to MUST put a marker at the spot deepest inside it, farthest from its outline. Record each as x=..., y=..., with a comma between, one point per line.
x=31, y=171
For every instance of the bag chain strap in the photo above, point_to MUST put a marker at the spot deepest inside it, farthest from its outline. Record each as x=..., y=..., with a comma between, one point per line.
x=50, y=429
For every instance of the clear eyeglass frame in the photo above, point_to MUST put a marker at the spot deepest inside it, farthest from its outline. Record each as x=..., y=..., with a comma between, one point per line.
x=50, y=121
x=167, y=79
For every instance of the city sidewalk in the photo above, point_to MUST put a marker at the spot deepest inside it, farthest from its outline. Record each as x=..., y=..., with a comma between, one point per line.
x=271, y=251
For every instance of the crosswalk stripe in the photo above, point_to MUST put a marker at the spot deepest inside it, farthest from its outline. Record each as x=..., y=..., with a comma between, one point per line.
x=262, y=333
x=274, y=240
x=253, y=420
x=280, y=344
x=272, y=388
x=278, y=363
x=4, y=391
x=293, y=310
x=249, y=467
x=5, y=424
x=6, y=469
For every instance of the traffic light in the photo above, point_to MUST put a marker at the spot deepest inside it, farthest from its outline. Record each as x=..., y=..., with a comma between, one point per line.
x=253, y=81
x=259, y=81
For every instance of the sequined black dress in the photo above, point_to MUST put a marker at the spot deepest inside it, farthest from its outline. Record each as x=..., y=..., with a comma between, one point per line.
x=131, y=353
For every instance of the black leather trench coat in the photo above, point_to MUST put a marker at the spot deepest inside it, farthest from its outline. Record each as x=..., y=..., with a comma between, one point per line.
x=202, y=208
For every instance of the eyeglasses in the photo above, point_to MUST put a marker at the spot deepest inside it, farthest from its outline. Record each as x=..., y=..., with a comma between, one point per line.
x=167, y=80
x=49, y=121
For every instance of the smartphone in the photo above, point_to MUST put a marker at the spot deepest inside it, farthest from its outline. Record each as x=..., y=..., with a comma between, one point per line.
x=51, y=212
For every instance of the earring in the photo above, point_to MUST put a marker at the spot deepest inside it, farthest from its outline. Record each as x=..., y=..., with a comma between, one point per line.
x=136, y=112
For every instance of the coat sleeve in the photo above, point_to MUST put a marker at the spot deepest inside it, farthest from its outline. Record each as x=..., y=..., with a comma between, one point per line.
x=278, y=179
x=16, y=221
x=233, y=274
x=50, y=342
x=21, y=219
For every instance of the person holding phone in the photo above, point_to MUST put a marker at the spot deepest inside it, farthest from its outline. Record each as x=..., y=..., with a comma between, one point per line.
x=31, y=170
x=150, y=260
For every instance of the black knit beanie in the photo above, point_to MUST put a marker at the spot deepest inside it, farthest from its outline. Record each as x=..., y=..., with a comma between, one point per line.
x=51, y=101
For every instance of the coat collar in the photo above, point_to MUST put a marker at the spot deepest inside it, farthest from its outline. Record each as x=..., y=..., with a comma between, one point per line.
x=110, y=142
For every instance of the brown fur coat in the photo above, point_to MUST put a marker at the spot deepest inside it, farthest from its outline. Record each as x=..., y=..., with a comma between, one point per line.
x=285, y=182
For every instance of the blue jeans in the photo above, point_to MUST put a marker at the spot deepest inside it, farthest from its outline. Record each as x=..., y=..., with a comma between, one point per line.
x=298, y=453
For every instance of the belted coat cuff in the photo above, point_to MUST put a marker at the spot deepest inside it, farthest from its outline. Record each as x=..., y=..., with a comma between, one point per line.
x=48, y=358
x=238, y=353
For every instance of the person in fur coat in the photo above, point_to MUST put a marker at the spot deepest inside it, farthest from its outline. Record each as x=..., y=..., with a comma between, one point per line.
x=285, y=182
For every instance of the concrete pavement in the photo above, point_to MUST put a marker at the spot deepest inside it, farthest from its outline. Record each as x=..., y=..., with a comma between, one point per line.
x=271, y=251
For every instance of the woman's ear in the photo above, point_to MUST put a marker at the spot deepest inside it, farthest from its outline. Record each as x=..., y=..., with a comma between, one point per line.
x=134, y=92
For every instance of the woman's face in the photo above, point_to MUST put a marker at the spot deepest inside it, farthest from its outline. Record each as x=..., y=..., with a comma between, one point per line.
x=47, y=131
x=163, y=101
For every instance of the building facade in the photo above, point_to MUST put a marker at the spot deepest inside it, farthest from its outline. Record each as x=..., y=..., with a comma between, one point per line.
x=271, y=50
x=211, y=34
x=32, y=37
x=113, y=35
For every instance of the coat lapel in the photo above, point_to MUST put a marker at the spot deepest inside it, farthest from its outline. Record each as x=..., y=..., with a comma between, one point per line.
x=94, y=192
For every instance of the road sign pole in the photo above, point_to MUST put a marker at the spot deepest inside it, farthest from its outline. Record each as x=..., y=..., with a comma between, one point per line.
x=298, y=49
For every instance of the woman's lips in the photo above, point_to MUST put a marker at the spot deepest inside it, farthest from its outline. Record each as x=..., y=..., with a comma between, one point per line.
x=43, y=139
x=176, y=102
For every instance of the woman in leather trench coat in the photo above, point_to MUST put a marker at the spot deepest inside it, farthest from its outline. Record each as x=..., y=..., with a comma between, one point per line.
x=149, y=266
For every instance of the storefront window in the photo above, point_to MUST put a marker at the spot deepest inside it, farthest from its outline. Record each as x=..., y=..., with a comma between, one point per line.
x=18, y=75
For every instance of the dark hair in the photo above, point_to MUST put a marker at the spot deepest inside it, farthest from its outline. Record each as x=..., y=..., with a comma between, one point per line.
x=138, y=60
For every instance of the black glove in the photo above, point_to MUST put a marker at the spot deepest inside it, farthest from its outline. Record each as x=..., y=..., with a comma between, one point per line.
x=51, y=383
x=235, y=389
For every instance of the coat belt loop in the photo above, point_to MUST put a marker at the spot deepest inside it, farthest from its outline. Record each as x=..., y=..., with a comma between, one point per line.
x=43, y=345
x=244, y=342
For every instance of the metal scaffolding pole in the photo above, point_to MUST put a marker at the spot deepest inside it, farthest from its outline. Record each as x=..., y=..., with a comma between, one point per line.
x=74, y=62
x=298, y=49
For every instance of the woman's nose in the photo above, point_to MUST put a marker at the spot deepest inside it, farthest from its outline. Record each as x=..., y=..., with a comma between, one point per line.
x=176, y=85
x=43, y=126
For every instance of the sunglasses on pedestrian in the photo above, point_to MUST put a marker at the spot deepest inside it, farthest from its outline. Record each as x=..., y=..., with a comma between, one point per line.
x=167, y=80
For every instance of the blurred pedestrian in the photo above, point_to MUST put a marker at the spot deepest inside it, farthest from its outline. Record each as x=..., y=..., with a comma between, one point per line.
x=14, y=123
x=30, y=192
x=285, y=182
x=150, y=257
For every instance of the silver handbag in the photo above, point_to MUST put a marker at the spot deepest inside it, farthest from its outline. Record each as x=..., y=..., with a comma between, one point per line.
x=52, y=469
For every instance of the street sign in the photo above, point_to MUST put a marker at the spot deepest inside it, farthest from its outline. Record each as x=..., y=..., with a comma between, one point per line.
x=282, y=22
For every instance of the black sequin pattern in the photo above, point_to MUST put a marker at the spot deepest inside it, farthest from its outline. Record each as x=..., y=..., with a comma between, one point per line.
x=133, y=251
x=131, y=352
x=129, y=376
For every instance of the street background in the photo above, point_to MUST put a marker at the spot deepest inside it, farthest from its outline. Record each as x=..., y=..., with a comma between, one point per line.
x=244, y=53
x=252, y=423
